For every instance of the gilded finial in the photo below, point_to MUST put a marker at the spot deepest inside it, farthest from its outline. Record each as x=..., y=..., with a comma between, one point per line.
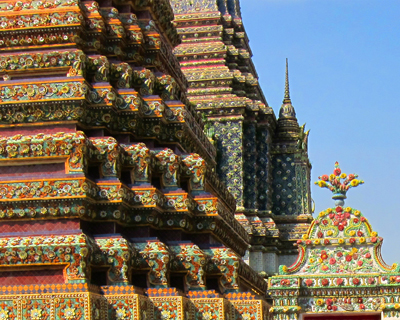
x=333, y=182
x=287, y=110
x=286, y=98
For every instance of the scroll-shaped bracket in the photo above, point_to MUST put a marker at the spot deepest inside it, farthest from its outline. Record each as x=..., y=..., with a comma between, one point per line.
x=189, y=257
x=167, y=87
x=144, y=80
x=195, y=167
x=121, y=75
x=154, y=254
x=226, y=262
x=167, y=162
x=110, y=154
x=99, y=68
x=139, y=157
x=117, y=252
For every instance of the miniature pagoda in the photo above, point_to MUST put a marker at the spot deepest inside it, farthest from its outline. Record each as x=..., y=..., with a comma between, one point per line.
x=339, y=272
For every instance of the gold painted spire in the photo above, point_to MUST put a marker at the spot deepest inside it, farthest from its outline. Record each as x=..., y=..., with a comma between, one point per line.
x=287, y=110
x=286, y=98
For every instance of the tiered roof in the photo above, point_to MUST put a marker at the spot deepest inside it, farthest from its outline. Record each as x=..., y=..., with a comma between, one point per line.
x=110, y=204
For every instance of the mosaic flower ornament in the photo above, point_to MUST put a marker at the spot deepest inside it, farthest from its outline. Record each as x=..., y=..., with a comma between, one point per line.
x=339, y=267
x=334, y=183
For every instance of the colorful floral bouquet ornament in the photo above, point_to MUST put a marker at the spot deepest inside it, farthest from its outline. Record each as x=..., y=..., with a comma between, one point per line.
x=334, y=183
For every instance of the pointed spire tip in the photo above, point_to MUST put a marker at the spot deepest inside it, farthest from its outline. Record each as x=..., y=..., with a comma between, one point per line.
x=286, y=98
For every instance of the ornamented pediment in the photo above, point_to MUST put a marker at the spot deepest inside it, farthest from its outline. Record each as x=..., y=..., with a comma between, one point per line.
x=339, y=241
x=339, y=266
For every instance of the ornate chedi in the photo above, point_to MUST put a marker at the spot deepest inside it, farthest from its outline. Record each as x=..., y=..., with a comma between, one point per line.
x=251, y=144
x=111, y=207
x=339, y=269
x=291, y=171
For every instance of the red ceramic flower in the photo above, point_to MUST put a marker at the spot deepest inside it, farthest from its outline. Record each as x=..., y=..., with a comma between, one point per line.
x=332, y=261
x=339, y=254
x=324, y=256
x=299, y=241
x=324, y=282
x=368, y=255
x=359, y=233
x=339, y=209
x=308, y=242
x=324, y=222
x=329, y=307
x=331, y=215
x=373, y=239
x=309, y=282
x=351, y=176
x=362, y=306
x=345, y=223
x=348, y=258
x=362, y=219
x=334, y=308
x=360, y=300
x=347, y=215
x=360, y=263
x=355, y=220
x=339, y=281
x=336, y=223
x=340, y=227
x=320, y=234
x=337, y=171
x=356, y=281
x=352, y=240
x=325, y=177
x=371, y=280
x=329, y=302
x=326, y=241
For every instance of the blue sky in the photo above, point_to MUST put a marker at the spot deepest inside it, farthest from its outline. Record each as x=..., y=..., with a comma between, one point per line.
x=344, y=63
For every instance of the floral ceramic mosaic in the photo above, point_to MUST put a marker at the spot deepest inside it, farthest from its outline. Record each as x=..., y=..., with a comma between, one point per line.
x=339, y=267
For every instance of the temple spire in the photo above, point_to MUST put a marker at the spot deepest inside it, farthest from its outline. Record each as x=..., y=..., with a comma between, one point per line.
x=286, y=98
x=287, y=110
